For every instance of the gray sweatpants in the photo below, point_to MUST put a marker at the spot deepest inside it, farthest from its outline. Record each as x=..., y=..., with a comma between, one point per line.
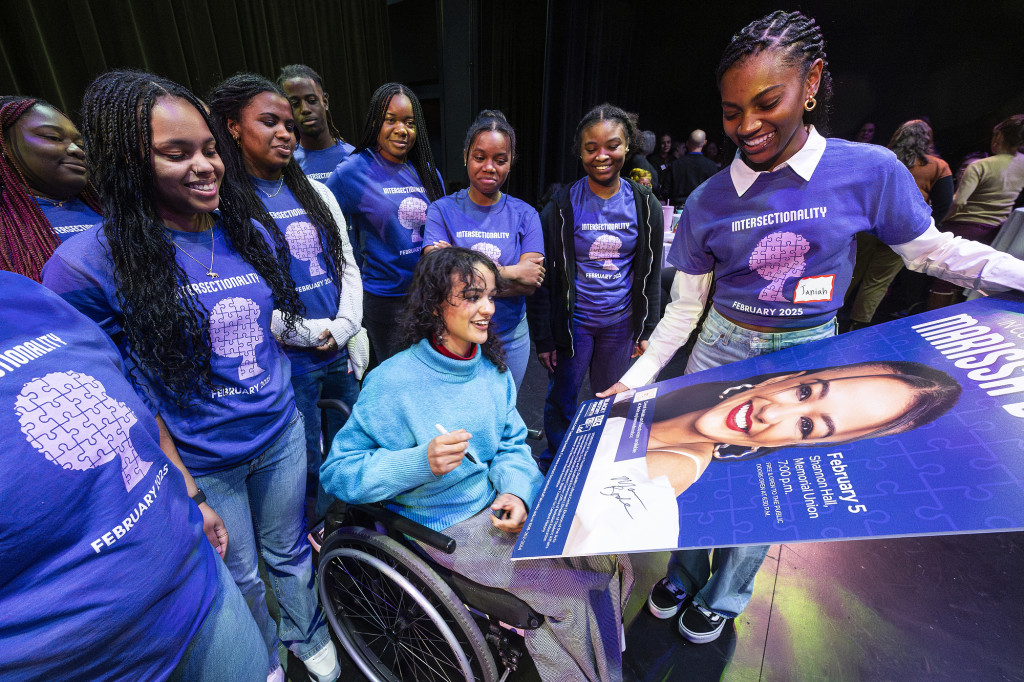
x=581, y=598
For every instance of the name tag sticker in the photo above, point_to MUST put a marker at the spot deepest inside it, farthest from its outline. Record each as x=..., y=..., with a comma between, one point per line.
x=814, y=289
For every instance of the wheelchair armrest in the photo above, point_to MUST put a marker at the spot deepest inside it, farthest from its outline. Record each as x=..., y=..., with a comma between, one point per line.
x=339, y=512
x=336, y=405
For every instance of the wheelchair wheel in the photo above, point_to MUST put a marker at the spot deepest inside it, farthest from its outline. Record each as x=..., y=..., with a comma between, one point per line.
x=395, y=617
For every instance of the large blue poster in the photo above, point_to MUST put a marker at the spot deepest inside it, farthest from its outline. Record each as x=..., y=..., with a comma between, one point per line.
x=913, y=427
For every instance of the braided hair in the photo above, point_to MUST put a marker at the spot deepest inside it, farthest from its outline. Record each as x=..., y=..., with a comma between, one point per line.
x=799, y=39
x=226, y=103
x=302, y=71
x=432, y=286
x=167, y=328
x=27, y=239
x=420, y=156
x=609, y=112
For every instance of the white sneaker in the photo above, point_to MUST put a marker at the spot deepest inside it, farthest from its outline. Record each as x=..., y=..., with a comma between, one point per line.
x=323, y=665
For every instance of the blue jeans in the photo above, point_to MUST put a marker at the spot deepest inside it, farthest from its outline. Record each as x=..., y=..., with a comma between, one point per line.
x=605, y=352
x=724, y=585
x=261, y=502
x=228, y=646
x=517, y=351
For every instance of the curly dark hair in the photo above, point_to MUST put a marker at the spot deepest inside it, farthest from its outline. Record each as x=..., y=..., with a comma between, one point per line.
x=226, y=103
x=302, y=71
x=912, y=142
x=801, y=42
x=166, y=326
x=605, y=112
x=433, y=284
x=420, y=156
x=27, y=239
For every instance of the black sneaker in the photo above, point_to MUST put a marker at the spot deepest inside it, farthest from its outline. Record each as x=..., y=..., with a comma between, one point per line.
x=665, y=599
x=700, y=625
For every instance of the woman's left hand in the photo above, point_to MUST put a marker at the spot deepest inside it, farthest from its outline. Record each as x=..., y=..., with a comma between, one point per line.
x=329, y=344
x=515, y=515
x=214, y=528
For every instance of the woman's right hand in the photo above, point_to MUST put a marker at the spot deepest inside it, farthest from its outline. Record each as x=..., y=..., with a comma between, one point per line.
x=445, y=452
x=530, y=272
x=617, y=387
x=548, y=359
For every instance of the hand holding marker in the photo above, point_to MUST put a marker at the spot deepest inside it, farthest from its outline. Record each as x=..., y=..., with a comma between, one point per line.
x=468, y=454
x=500, y=513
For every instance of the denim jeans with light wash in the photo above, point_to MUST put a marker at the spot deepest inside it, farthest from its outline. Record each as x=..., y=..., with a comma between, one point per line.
x=605, y=351
x=517, y=350
x=228, y=646
x=724, y=585
x=261, y=502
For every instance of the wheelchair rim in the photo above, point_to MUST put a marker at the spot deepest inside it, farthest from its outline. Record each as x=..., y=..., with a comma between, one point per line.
x=356, y=649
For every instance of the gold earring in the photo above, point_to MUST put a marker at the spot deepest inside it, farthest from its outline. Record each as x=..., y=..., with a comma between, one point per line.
x=810, y=103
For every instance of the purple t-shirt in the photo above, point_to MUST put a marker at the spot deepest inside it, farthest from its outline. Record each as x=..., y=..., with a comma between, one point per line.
x=252, y=400
x=386, y=204
x=320, y=163
x=604, y=236
x=783, y=253
x=503, y=231
x=317, y=289
x=106, y=572
x=70, y=218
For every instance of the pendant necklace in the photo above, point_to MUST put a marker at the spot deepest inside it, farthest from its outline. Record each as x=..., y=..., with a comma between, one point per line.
x=209, y=270
x=276, y=191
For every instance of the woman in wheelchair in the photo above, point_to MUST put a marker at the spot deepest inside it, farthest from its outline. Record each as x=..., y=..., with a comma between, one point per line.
x=476, y=482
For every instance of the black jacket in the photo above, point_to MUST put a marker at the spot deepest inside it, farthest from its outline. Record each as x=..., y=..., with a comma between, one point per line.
x=550, y=308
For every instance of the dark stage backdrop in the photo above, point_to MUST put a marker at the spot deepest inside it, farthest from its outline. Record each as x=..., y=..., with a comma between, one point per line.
x=543, y=62
x=54, y=48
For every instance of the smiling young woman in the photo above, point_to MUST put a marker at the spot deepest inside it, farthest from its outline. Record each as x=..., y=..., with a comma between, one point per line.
x=46, y=195
x=504, y=228
x=776, y=232
x=600, y=297
x=253, y=119
x=186, y=282
x=384, y=188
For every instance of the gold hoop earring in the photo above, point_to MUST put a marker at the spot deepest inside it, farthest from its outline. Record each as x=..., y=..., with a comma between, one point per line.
x=810, y=103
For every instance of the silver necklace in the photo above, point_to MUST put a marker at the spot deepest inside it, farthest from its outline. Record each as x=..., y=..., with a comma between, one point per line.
x=209, y=271
x=276, y=191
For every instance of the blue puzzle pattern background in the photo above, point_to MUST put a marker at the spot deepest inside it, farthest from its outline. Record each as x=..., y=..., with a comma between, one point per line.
x=962, y=473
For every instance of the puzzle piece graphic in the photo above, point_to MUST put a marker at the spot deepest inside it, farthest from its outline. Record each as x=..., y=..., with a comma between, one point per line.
x=304, y=244
x=489, y=250
x=778, y=257
x=412, y=214
x=69, y=418
x=235, y=332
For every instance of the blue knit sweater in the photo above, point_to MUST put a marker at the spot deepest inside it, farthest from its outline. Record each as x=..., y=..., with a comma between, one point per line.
x=381, y=453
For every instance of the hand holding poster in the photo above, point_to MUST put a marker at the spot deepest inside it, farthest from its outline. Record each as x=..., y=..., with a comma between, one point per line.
x=909, y=428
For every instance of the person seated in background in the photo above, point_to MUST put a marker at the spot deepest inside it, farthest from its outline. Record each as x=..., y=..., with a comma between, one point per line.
x=663, y=154
x=687, y=172
x=46, y=194
x=107, y=572
x=321, y=147
x=452, y=376
x=877, y=265
x=984, y=197
x=865, y=133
